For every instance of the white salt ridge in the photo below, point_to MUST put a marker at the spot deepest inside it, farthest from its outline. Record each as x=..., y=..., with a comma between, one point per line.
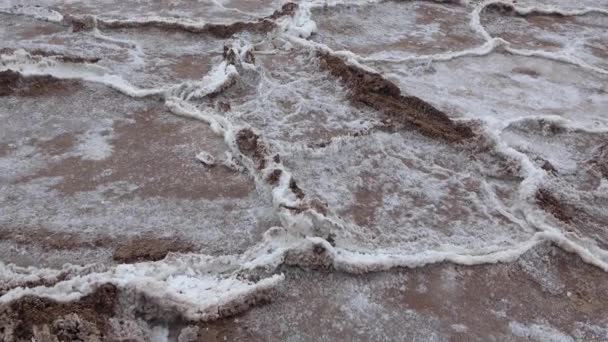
x=15, y=276
x=153, y=20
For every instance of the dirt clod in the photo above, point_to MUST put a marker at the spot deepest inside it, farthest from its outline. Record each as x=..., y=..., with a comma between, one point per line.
x=89, y=316
x=148, y=249
x=274, y=177
x=250, y=144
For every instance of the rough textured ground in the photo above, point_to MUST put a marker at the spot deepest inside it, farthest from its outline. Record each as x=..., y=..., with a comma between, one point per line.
x=304, y=171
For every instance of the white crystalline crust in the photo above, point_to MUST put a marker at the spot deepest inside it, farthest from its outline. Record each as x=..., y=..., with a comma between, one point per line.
x=197, y=285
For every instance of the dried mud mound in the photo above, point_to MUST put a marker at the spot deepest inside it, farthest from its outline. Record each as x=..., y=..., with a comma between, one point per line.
x=400, y=111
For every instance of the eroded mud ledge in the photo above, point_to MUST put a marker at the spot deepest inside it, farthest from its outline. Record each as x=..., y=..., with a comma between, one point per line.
x=376, y=92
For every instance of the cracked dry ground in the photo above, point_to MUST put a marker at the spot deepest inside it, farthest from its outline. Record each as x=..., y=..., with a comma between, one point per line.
x=405, y=182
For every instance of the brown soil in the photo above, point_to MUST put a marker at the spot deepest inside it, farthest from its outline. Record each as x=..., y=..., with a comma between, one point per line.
x=14, y=84
x=30, y=314
x=149, y=249
x=140, y=157
x=190, y=67
x=400, y=111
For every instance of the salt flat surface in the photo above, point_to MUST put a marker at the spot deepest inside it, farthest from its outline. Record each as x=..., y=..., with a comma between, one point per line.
x=375, y=167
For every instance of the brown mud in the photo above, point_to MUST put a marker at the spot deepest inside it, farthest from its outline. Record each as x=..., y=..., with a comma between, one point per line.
x=14, y=84
x=33, y=318
x=400, y=111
